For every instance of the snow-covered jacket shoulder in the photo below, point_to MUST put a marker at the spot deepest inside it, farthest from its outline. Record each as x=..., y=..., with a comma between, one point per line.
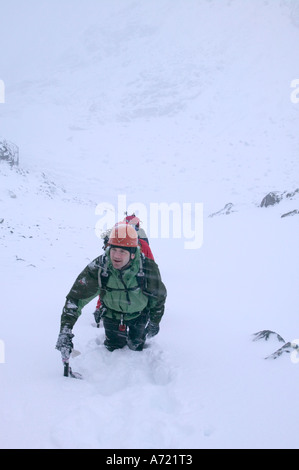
x=85, y=288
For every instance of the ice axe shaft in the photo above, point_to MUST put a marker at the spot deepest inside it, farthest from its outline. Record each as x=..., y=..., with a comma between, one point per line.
x=67, y=372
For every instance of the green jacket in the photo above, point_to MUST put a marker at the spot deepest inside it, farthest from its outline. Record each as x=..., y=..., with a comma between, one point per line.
x=121, y=294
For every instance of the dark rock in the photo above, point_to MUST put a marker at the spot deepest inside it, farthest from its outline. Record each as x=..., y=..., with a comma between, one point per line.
x=225, y=211
x=292, y=194
x=266, y=334
x=286, y=348
x=271, y=199
x=275, y=197
x=294, y=212
x=9, y=152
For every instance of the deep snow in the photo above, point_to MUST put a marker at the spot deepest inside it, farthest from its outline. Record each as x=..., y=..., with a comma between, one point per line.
x=165, y=101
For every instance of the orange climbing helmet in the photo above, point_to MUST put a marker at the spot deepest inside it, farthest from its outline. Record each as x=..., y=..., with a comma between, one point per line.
x=123, y=235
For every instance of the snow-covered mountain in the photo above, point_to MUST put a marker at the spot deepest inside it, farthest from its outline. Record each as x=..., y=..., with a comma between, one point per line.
x=171, y=104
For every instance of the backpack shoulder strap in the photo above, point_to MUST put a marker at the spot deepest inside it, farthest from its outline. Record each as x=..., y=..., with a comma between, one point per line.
x=140, y=274
x=103, y=272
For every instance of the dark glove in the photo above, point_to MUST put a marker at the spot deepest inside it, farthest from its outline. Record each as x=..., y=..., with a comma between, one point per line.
x=64, y=343
x=152, y=329
x=99, y=313
x=97, y=316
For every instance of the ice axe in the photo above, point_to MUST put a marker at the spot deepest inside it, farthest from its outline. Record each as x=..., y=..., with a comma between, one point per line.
x=67, y=370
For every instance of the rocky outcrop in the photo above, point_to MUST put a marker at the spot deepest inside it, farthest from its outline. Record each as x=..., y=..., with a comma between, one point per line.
x=275, y=197
x=9, y=152
x=266, y=334
x=227, y=209
x=294, y=212
x=271, y=199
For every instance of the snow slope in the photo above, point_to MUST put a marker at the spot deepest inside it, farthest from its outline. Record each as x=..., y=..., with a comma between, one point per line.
x=161, y=102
